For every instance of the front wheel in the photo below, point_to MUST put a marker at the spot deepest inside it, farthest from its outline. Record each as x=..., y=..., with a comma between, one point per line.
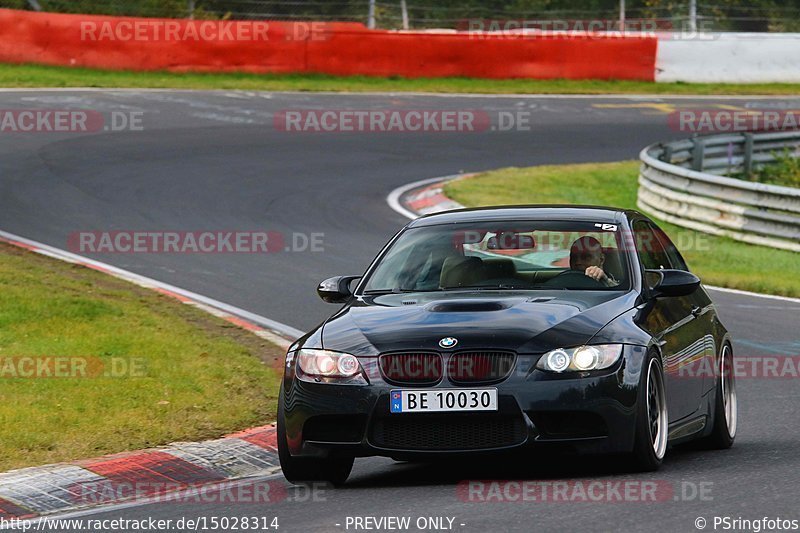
x=725, y=405
x=333, y=469
x=652, y=422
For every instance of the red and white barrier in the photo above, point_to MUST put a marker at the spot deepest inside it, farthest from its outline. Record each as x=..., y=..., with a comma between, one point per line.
x=142, y=44
x=339, y=48
x=729, y=58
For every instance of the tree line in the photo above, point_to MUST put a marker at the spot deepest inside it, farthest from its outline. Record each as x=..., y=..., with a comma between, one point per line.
x=739, y=15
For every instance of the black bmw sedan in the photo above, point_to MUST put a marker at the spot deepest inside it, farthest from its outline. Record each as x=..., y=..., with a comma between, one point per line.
x=502, y=329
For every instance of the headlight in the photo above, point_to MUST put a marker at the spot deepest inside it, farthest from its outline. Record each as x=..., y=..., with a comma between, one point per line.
x=580, y=359
x=557, y=360
x=327, y=364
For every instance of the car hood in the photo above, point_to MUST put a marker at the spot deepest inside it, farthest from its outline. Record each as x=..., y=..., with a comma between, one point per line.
x=522, y=322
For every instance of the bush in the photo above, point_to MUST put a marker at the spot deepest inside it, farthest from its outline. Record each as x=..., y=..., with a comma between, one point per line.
x=784, y=171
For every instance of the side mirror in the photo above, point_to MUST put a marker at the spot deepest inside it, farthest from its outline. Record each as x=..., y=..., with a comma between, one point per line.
x=336, y=290
x=670, y=283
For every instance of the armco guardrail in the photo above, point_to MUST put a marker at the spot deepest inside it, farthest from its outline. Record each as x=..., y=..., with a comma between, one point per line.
x=684, y=183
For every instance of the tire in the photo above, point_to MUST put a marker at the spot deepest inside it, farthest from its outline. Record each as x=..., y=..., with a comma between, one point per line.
x=725, y=415
x=300, y=470
x=652, y=422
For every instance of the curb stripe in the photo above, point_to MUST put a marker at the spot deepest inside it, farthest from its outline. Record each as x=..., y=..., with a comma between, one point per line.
x=180, y=466
x=263, y=440
x=395, y=199
x=10, y=510
x=262, y=433
x=45, y=489
x=233, y=458
x=153, y=468
x=165, y=292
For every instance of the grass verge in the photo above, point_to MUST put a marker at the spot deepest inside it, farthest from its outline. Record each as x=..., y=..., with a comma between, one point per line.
x=785, y=171
x=22, y=76
x=182, y=374
x=717, y=260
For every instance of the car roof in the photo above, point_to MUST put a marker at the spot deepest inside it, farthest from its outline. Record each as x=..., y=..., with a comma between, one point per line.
x=592, y=213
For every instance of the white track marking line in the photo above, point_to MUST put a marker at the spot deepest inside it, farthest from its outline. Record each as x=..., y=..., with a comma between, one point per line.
x=758, y=294
x=393, y=199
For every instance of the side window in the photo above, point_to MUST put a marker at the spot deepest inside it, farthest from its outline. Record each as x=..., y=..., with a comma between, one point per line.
x=671, y=251
x=650, y=248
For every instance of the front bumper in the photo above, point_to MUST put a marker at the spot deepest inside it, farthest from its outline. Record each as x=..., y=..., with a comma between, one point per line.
x=592, y=413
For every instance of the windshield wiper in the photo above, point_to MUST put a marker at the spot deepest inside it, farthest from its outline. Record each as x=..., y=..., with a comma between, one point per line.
x=500, y=286
x=375, y=292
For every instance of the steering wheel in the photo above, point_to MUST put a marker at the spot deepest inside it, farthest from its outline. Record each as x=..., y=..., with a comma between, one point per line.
x=573, y=279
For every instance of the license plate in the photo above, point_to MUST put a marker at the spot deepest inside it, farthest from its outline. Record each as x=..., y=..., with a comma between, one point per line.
x=439, y=400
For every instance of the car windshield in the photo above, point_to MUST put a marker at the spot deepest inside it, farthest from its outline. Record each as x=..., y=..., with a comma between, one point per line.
x=511, y=255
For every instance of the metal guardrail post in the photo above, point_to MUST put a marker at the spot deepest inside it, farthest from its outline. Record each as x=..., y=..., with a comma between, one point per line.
x=748, y=155
x=698, y=153
x=404, y=14
x=371, y=15
x=667, y=155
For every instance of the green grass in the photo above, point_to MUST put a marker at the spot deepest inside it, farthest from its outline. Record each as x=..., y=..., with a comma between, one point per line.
x=717, y=260
x=12, y=76
x=785, y=171
x=199, y=377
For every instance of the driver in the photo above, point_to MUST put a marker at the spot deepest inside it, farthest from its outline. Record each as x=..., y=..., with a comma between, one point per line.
x=586, y=256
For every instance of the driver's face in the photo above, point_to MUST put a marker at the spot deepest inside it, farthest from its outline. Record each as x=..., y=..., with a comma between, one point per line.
x=584, y=260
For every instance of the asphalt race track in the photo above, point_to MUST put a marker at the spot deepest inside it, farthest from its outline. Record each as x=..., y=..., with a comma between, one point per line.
x=215, y=161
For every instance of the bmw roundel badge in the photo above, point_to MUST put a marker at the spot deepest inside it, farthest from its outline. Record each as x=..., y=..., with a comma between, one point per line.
x=448, y=342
